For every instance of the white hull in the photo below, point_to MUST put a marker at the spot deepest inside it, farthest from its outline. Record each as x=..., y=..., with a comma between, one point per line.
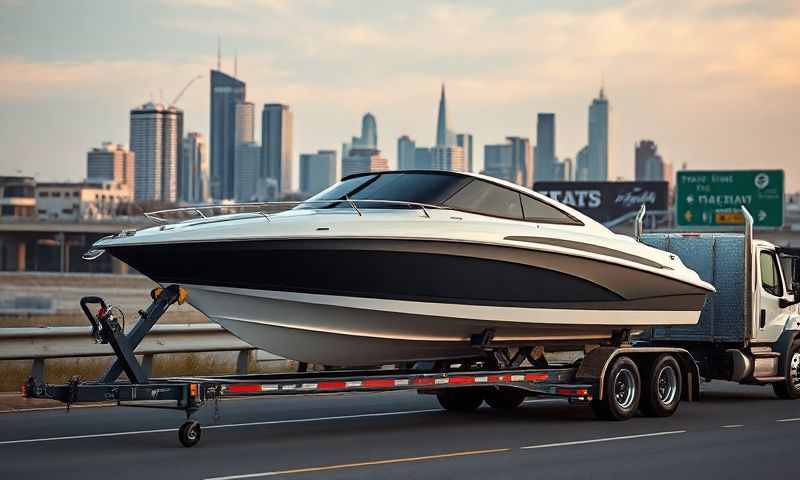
x=339, y=330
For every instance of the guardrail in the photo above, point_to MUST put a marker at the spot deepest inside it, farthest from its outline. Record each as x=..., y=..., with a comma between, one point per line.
x=40, y=344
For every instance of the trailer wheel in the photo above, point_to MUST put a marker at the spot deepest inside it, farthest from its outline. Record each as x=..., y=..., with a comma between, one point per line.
x=621, y=391
x=661, y=391
x=505, y=398
x=789, y=388
x=460, y=399
x=189, y=433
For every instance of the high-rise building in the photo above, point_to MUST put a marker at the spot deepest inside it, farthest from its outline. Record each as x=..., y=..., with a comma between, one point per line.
x=194, y=178
x=522, y=158
x=226, y=93
x=511, y=161
x=111, y=162
x=598, y=139
x=444, y=137
x=405, y=153
x=317, y=171
x=248, y=171
x=423, y=158
x=156, y=134
x=582, y=164
x=362, y=160
x=448, y=158
x=244, y=124
x=497, y=161
x=368, y=137
x=464, y=140
x=649, y=163
x=545, y=156
x=276, y=145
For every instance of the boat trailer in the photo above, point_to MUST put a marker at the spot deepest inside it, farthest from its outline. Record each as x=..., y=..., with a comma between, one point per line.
x=581, y=383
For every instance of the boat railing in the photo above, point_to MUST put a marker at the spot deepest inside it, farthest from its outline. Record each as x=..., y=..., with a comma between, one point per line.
x=265, y=209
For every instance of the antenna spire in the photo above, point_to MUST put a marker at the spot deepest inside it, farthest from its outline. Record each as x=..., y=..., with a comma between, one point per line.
x=219, y=53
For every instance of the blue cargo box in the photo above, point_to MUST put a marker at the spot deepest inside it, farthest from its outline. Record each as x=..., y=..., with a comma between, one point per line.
x=719, y=258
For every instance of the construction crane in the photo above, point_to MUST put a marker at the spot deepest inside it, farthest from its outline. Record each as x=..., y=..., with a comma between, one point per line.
x=183, y=90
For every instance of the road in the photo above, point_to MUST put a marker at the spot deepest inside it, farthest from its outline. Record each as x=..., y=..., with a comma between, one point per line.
x=735, y=432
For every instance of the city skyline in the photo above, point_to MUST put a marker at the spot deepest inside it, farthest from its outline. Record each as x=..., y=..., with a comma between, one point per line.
x=726, y=102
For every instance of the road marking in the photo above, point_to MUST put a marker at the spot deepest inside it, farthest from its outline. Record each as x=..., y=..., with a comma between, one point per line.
x=362, y=464
x=599, y=440
x=732, y=426
x=229, y=425
x=788, y=420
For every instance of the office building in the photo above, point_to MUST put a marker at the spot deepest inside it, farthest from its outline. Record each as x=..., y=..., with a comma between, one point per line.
x=423, y=158
x=80, y=201
x=276, y=145
x=362, y=160
x=649, y=163
x=226, y=93
x=545, y=153
x=111, y=162
x=156, y=134
x=497, y=161
x=317, y=171
x=244, y=125
x=464, y=140
x=194, y=173
x=248, y=171
x=511, y=161
x=597, y=168
x=368, y=137
x=522, y=159
x=448, y=158
x=17, y=197
x=405, y=153
x=582, y=164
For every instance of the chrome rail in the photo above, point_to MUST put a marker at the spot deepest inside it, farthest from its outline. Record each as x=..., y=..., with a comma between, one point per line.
x=258, y=208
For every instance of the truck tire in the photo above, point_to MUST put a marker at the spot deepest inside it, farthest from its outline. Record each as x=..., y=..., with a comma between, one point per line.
x=789, y=388
x=622, y=389
x=662, y=388
x=460, y=399
x=505, y=398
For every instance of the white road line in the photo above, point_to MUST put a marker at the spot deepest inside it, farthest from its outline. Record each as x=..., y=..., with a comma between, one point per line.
x=788, y=420
x=731, y=426
x=230, y=425
x=600, y=440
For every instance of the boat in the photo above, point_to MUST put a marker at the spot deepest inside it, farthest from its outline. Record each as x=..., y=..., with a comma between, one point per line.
x=402, y=266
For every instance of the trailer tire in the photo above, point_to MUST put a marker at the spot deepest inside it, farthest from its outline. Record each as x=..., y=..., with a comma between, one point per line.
x=622, y=389
x=789, y=388
x=189, y=433
x=662, y=388
x=504, y=398
x=460, y=399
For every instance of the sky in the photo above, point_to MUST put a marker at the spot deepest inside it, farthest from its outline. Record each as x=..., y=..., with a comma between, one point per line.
x=715, y=83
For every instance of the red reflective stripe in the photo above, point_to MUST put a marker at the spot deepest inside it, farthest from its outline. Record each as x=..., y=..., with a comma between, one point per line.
x=332, y=385
x=532, y=377
x=244, y=388
x=379, y=383
x=423, y=381
x=462, y=380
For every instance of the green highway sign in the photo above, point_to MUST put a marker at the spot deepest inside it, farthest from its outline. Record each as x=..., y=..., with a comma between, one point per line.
x=715, y=197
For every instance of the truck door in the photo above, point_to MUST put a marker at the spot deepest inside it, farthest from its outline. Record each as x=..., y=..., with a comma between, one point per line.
x=770, y=319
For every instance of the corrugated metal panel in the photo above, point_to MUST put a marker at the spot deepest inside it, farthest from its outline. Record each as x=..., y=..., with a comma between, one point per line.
x=719, y=259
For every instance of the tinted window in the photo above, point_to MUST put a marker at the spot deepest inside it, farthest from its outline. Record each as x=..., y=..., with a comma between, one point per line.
x=770, y=276
x=538, y=211
x=486, y=198
x=428, y=188
x=337, y=191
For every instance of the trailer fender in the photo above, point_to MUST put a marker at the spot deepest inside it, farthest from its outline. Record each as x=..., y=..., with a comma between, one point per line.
x=596, y=363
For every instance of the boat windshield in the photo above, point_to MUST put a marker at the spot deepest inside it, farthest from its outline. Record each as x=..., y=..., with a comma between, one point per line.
x=430, y=188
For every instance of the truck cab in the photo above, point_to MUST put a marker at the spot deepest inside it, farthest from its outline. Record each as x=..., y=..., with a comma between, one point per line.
x=775, y=292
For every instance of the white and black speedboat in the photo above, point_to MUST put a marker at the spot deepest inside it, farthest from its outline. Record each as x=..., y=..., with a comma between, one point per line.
x=410, y=265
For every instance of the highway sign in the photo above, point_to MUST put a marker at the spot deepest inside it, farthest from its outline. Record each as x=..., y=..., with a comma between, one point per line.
x=715, y=197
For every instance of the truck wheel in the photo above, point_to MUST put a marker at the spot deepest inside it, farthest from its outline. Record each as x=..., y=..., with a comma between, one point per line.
x=790, y=387
x=661, y=391
x=621, y=391
x=189, y=433
x=460, y=399
x=505, y=398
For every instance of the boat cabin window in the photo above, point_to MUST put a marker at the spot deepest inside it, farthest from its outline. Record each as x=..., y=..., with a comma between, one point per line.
x=538, y=211
x=488, y=199
x=428, y=188
x=770, y=274
x=336, y=191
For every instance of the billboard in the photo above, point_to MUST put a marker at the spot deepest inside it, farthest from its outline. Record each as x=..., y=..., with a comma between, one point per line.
x=715, y=197
x=605, y=201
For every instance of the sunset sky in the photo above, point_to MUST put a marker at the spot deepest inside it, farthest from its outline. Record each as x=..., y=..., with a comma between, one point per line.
x=715, y=83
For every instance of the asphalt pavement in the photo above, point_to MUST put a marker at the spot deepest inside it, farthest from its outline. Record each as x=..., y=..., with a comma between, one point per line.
x=734, y=432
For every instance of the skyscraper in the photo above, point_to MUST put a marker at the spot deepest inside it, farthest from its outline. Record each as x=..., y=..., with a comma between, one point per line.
x=156, y=133
x=317, y=171
x=368, y=137
x=226, y=93
x=448, y=158
x=582, y=164
x=362, y=160
x=248, y=171
x=405, y=153
x=511, y=161
x=193, y=180
x=649, y=163
x=497, y=161
x=522, y=160
x=111, y=162
x=464, y=140
x=276, y=145
x=545, y=157
x=423, y=158
x=443, y=135
x=244, y=124
x=598, y=138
